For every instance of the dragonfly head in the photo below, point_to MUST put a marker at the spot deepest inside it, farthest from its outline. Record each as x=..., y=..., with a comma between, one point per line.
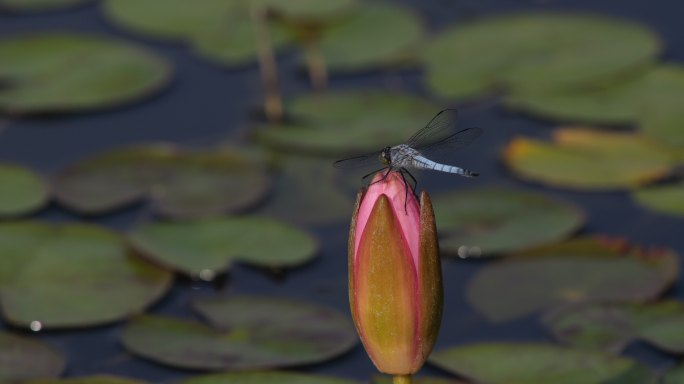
x=385, y=157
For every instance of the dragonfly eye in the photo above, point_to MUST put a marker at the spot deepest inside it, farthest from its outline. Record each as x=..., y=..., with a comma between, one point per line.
x=385, y=156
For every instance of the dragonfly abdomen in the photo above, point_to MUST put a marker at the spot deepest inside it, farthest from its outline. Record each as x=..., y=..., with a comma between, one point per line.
x=421, y=162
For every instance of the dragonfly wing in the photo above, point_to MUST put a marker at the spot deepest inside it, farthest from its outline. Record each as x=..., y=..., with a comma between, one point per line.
x=440, y=127
x=357, y=161
x=452, y=142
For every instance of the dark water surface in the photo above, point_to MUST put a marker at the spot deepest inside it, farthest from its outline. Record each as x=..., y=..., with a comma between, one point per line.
x=206, y=102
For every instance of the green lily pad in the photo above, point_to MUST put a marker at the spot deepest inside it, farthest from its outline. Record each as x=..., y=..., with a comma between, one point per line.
x=245, y=333
x=22, y=191
x=584, y=270
x=307, y=192
x=267, y=377
x=206, y=247
x=71, y=276
x=613, y=326
x=39, y=74
x=99, y=379
x=538, y=363
x=307, y=11
x=336, y=124
x=653, y=101
x=536, y=51
x=357, y=43
x=220, y=30
x=417, y=380
x=181, y=183
x=23, y=358
x=38, y=5
x=497, y=220
x=580, y=158
x=614, y=103
x=674, y=375
x=667, y=198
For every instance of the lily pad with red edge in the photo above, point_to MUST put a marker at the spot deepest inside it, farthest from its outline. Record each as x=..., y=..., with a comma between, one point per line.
x=72, y=275
x=307, y=191
x=219, y=30
x=203, y=248
x=583, y=270
x=23, y=358
x=612, y=327
x=267, y=377
x=60, y=72
x=244, y=333
x=344, y=123
x=536, y=51
x=37, y=5
x=98, y=379
x=22, y=192
x=181, y=183
x=356, y=43
x=497, y=220
x=527, y=363
x=665, y=198
x=589, y=159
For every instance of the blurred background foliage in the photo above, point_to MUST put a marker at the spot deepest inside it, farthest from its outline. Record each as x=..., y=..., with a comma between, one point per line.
x=169, y=208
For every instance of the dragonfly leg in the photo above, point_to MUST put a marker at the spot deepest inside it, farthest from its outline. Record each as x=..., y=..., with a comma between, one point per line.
x=406, y=187
x=374, y=172
x=415, y=182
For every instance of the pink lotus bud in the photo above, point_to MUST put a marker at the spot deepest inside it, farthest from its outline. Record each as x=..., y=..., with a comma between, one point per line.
x=395, y=278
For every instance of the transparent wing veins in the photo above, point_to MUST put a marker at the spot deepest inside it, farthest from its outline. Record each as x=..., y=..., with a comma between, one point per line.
x=441, y=126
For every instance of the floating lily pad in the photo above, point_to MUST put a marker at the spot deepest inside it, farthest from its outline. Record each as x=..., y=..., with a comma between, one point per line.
x=667, y=198
x=581, y=158
x=38, y=5
x=99, y=379
x=611, y=104
x=613, y=326
x=358, y=43
x=537, y=51
x=674, y=375
x=653, y=101
x=62, y=72
x=22, y=191
x=220, y=30
x=71, y=276
x=206, y=247
x=579, y=271
x=501, y=220
x=245, y=333
x=267, y=377
x=417, y=380
x=661, y=106
x=307, y=192
x=307, y=11
x=339, y=123
x=22, y=358
x=538, y=363
x=181, y=183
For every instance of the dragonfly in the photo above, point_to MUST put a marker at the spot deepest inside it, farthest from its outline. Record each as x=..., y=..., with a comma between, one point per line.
x=436, y=137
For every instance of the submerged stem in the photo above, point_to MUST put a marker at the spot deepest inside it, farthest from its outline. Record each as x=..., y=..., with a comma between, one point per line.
x=273, y=104
x=318, y=71
x=402, y=379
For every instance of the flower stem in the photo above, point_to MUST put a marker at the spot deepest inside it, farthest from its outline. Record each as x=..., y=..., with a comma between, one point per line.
x=402, y=379
x=318, y=71
x=273, y=105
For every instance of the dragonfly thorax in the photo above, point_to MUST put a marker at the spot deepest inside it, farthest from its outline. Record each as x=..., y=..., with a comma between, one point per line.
x=403, y=156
